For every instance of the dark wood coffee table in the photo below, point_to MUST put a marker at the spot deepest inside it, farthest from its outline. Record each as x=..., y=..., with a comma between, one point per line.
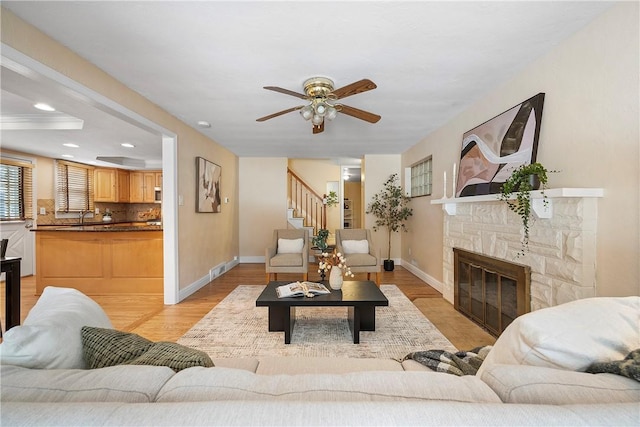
x=362, y=298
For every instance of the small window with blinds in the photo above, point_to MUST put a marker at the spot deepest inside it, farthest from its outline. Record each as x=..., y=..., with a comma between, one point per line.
x=16, y=190
x=74, y=187
x=421, y=178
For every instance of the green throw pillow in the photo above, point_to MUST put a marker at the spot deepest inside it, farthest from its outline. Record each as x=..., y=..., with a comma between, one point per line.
x=108, y=347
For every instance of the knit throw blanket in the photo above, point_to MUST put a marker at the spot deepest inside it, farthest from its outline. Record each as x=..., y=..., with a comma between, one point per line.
x=459, y=363
x=628, y=367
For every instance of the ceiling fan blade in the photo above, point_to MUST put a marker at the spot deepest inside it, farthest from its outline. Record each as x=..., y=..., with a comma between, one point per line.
x=279, y=113
x=286, y=91
x=359, y=114
x=318, y=128
x=354, y=88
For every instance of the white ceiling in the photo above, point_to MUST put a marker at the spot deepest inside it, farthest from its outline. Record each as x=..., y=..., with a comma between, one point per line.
x=209, y=60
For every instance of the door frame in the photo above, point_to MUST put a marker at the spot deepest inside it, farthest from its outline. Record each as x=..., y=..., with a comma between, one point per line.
x=22, y=63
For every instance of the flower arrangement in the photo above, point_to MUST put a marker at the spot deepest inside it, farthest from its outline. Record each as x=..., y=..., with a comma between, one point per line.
x=334, y=259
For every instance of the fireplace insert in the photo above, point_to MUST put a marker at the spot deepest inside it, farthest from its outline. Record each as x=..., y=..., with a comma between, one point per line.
x=490, y=291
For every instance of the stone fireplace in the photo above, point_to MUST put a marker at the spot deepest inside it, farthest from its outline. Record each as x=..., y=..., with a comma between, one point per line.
x=562, y=241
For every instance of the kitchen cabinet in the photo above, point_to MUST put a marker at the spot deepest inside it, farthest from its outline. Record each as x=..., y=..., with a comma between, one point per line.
x=110, y=185
x=100, y=262
x=104, y=185
x=123, y=186
x=142, y=186
x=159, y=179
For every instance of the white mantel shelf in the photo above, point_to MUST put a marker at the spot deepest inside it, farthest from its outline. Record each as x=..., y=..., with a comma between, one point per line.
x=542, y=207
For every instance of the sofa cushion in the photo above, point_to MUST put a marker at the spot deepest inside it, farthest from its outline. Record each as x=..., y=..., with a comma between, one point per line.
x=201, y=384
x=323, y=365
x=539, y=385
x=290, y=246
x=570, y=336
x=286, y=260
x=355, y=246
x=361, y=260
x=49, y=337
x=134, y=384
x=345, y=413
x=108, y=347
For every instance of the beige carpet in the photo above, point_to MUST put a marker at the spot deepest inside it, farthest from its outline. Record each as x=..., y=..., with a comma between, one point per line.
x=237, y=328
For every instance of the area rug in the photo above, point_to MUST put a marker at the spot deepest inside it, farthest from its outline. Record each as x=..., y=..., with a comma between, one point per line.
x=237, y=328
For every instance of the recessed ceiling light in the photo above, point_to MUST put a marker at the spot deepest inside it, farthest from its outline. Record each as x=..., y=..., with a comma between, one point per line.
x=204, y=124
x=126, y=144
x=70, y=145
x=67, y=156
x=44, y=107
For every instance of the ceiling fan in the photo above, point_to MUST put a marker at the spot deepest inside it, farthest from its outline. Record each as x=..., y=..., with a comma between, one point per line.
x=323, y=103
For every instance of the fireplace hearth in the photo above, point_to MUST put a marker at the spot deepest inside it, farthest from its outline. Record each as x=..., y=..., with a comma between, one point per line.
x=490, y=291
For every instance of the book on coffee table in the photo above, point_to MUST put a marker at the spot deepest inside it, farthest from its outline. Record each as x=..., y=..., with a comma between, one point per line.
x=299, y=289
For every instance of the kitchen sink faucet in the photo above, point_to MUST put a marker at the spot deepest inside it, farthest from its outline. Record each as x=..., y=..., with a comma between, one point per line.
x=82, y=214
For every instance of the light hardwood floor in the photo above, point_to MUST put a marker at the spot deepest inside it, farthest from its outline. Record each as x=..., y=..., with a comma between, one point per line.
x=146, y=314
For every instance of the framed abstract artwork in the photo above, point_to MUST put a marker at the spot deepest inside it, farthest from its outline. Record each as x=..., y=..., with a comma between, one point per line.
x=491, y=151
x=208, y=186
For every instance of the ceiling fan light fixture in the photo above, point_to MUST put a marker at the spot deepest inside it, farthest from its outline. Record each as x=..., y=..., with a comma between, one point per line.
x=317, y=120
x=331, y=113
x=321, y=108
x=306, y=112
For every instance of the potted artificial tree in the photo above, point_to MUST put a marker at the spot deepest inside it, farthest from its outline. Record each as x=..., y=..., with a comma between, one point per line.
x=522, y=181
x=389, y=206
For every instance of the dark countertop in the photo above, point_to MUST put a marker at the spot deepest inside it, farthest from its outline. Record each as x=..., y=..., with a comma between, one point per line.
x=101, y=227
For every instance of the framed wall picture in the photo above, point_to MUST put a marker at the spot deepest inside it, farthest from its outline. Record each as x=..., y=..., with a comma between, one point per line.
x=491, y=151
x=208, y=186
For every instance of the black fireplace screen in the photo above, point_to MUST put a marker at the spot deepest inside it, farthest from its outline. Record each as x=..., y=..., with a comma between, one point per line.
x=490, y=291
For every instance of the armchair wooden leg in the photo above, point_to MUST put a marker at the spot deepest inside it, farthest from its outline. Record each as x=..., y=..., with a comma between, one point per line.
x=305, y=277
x=378, y=278
x=268, y=277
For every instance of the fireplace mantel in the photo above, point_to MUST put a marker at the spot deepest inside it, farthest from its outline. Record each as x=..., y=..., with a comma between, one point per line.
x=542, y=207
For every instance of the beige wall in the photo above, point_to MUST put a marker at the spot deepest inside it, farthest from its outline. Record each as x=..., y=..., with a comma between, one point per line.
x=204, y=240
x=590, y=132
x=377, y=168
x=263, y=204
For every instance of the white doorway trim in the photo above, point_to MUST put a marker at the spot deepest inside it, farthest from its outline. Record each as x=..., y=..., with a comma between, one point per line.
x=22, y=63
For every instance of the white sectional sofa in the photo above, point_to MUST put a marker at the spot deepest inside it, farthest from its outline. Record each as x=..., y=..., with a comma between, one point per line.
x=508, y=390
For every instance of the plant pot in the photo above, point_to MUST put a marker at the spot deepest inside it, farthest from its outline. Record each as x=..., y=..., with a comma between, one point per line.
x=388, y=265
x=534, y=182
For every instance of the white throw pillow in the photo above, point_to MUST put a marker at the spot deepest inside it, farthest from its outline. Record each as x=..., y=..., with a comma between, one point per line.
x=50, y=337
x=355, y=246
x=290, y=246
x=570, y=336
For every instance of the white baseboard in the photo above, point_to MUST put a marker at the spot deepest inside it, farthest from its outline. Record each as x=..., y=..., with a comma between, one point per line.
x=436, y=284
x=252, y=260
x=214, y=272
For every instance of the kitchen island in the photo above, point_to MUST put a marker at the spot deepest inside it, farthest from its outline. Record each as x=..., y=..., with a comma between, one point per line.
x=100, y=258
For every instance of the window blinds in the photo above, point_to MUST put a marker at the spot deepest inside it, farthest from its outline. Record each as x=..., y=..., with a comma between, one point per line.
x=16, y=190
x=74, y=187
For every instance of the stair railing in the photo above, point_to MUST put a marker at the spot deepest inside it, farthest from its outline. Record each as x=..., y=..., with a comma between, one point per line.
x=306, y=202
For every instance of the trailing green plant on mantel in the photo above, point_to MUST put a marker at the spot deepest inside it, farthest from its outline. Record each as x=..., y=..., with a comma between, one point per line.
x=522, y=181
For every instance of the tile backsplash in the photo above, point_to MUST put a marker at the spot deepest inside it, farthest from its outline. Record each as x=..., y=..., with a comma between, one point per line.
x=119, y=212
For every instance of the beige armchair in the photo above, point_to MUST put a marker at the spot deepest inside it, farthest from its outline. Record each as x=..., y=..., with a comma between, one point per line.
x=357, y=259
x=287, y=254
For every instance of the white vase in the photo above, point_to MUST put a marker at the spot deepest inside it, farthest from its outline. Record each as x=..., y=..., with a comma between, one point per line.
x=335, y=278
